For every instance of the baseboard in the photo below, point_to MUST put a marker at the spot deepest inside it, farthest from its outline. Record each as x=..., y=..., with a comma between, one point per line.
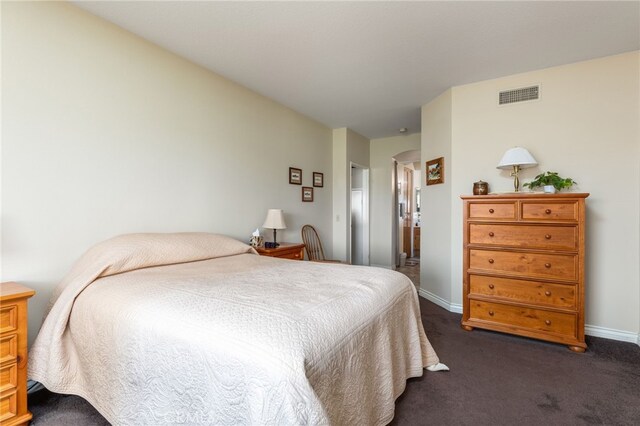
x=591, y=330
x=610, y=333
x=451, y=307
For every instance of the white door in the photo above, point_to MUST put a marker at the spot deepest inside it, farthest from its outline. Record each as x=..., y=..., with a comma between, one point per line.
x=358, y=244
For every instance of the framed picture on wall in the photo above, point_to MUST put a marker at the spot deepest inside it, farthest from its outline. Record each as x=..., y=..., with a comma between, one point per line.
x=435, y=171
x=318, y=179
x=307, y=194
x=295, y=176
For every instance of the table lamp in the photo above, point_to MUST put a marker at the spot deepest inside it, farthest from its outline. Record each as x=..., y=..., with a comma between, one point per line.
x=518, y=158
x=275, y=221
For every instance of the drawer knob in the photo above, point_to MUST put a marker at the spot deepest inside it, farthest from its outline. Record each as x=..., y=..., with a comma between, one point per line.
x=490, y=260
x=547, y=293
x=548, y=322
x=491, y=234
x=548, y=236
x=491, y=286
x=491, y=211
x=491, y=313
x=547, y=265
x=548, y=211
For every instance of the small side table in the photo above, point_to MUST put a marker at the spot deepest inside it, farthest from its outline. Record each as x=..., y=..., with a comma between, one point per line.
x=293, y=251
x=13, y=354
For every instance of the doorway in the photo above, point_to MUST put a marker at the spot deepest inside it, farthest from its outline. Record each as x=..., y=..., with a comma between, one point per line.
x=406, y=211
x=407, y=226
x=359, y=206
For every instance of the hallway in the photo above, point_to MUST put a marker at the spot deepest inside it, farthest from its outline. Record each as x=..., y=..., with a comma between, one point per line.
x=412, y=270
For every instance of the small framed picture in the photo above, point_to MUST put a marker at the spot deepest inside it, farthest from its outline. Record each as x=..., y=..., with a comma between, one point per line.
x=318, y=179
x=295, y=176
x=435, y=171
x=307, y=193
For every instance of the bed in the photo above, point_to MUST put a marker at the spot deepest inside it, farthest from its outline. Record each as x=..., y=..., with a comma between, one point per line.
x=197, y=328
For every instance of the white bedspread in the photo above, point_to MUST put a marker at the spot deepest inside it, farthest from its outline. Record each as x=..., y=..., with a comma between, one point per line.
x=197, y=329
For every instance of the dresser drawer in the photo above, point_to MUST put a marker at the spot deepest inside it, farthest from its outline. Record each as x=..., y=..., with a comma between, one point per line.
x=8, y=377
x=525, y=236
x=8, y=348
x=558, y=295
x=8, y=406
x=283, y=251
x=542, y=265
x=557, y=210
x=530, y=318
x=295, y=254
x=495, y=211
x=8, y=318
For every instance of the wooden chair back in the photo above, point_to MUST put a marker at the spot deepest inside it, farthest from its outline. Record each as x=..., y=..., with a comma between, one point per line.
x=312, y=243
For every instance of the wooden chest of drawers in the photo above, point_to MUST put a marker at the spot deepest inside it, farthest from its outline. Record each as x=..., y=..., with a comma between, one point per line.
x=523, y=265
x=292, y=251
x=13, y=354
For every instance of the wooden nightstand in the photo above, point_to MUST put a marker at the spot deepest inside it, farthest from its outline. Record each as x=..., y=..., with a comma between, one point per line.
x=284, y=251
x=13, y=354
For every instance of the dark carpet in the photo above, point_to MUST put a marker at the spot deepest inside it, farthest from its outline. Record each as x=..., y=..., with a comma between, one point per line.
x=499, y=379
x=495, y=379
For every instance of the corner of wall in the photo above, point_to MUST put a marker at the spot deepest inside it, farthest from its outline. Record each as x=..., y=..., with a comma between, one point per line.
x=436, y=238
x=348, y=146
x=339, y=154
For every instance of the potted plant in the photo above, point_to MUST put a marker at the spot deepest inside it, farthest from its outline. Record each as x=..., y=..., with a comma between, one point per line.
x=551, y=182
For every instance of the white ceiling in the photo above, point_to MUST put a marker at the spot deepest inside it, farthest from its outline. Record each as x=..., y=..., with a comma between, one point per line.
x=370, y=66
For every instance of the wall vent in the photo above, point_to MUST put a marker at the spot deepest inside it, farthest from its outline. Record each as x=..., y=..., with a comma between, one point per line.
x=519, y=95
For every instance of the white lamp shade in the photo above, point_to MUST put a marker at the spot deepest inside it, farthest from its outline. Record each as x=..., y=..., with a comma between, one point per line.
x=517, y=156
x=274, y=220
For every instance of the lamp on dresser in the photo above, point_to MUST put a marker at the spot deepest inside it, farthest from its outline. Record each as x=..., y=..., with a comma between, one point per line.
x=517, y=158
x=275, y=221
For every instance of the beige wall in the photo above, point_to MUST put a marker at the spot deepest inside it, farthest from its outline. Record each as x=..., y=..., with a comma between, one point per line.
x=381, y=195
x=104, y=133
x=436, y=245
x=348, y=147
x=585, y=126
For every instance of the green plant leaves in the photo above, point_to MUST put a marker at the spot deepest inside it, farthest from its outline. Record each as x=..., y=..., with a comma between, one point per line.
x=551, y=178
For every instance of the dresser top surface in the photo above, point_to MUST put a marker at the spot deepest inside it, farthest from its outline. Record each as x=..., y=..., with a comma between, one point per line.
x=521, y=195
x=281, y=246
x=11, y=290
